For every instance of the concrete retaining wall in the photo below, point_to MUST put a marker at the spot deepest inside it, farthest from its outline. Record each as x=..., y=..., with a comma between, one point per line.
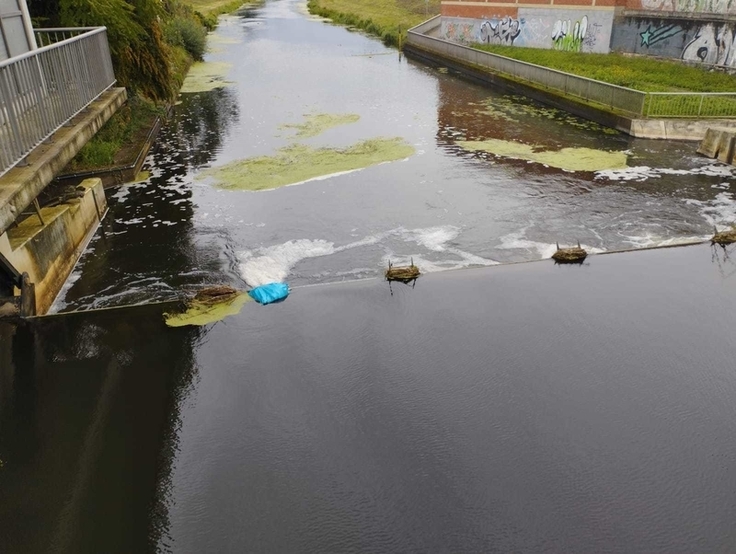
x=48, y=252
x=673, y=129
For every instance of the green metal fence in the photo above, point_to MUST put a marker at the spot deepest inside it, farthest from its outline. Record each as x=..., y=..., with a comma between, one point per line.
x=691, y=104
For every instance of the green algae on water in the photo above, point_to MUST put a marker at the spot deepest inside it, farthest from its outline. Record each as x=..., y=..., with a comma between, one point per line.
x=202, y=313
x=316, y=124
x=569, y=159
x=205, y=76
x=298, y=163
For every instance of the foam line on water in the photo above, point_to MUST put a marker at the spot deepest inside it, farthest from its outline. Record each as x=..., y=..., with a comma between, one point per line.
x=643, y=172
x=719, y=211
x=274, y=263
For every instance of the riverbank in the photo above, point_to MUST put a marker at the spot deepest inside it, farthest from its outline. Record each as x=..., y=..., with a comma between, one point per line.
x=387, y=19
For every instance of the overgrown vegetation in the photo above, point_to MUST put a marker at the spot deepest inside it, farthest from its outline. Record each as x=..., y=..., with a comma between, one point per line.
x=640, y=73
x=126, y=126
x=152, y=43
x=387, y=19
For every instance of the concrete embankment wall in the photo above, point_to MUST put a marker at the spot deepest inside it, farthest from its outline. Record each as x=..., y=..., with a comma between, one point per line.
x=48, y=251
x=470, y=63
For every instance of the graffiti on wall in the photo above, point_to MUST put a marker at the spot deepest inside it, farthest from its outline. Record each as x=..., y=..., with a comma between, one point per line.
x=569, y=29
x=711, y=45
x=706, y=42
x=459, y=32
x=653, y=35
x=697, y=6
x=500, y=31
x=569, y=36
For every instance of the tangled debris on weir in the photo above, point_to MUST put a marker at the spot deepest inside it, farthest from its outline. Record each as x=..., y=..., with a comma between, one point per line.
x=208, y=305
x=724, y=238
x=404, y=273
x=573, y=255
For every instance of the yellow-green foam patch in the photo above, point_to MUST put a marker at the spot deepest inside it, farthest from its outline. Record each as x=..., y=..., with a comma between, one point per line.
x=298, y=163
x=318, y=123
x=202, y=313
x=570, y=159
x=205, y=76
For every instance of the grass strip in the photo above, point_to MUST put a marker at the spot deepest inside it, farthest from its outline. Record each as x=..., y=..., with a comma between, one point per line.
x=387, y=19
x=640, y=73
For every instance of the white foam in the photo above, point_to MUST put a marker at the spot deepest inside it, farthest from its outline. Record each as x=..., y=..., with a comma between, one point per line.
x=641, y=173
x=719, y=211
x=516, y=241
x=544, y=250
x=432, y=238
x=274, y=263
x=651, y=240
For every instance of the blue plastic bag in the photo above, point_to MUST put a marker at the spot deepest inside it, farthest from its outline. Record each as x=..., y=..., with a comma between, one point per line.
x=267, y=294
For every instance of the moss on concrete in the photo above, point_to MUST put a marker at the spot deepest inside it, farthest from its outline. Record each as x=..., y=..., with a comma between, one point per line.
x=570, y=159
x=298, y=163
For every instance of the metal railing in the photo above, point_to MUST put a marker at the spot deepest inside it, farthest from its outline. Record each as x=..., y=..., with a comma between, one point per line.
x=691, y=104
x=43, y=89
x=619, y=99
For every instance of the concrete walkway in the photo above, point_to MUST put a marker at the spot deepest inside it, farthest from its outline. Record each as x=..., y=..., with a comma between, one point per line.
x=22, y=184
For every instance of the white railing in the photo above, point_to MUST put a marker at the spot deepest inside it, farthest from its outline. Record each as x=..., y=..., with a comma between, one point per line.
x=43, y=89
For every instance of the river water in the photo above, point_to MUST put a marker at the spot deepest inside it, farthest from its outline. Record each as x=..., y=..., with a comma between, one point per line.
x=445, y=206
x=520, y=408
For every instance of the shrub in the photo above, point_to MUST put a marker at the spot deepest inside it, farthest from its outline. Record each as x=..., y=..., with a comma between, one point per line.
x=189, y=34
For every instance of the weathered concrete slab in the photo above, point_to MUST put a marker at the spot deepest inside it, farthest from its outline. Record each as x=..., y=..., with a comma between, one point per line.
x=21, y=185
x=48, y=252
x=677, y=129
x=720, y=144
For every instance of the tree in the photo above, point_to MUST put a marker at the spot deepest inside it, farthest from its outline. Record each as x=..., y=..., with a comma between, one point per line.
x=140, y=55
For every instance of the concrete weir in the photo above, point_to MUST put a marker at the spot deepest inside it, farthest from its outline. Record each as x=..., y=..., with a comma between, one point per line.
x=48, y=244
x=40, y=245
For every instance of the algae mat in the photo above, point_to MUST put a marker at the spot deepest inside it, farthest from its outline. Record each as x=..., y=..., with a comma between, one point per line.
x=202, y=313
x=316, y=124
x=298, y=163
x=569, y=159
x=205, y=76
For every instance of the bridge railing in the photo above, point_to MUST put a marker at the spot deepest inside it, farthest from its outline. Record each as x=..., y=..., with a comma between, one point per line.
x=43, y=89
x=630, y=102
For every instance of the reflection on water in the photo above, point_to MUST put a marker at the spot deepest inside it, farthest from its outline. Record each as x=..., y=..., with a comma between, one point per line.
x=89, y=410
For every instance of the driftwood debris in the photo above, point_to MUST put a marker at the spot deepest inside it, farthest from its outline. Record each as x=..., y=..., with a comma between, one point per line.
x=404, y=273
x=215, y=294
x=724, y=238
x=573, y=255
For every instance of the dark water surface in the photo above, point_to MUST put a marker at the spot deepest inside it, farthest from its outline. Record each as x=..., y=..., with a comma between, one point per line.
x=444, y=206
x=522, y=408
